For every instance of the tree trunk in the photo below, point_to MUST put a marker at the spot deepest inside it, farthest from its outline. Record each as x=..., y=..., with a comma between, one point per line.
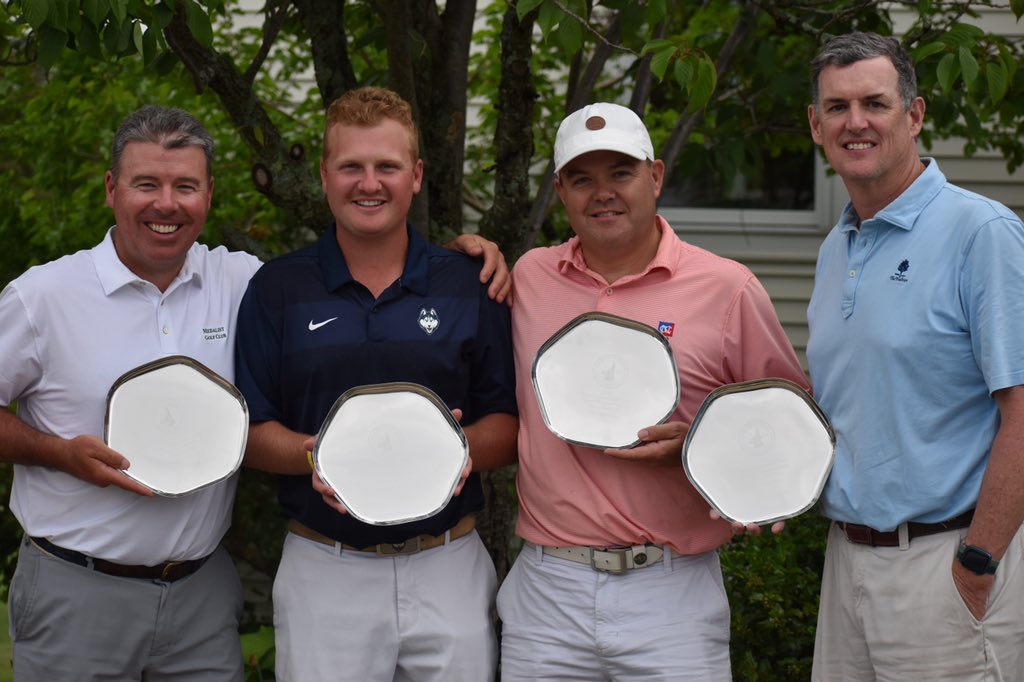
x=506, y=222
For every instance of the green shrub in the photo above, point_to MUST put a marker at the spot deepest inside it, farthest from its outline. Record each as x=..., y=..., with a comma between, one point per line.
x=773, y=583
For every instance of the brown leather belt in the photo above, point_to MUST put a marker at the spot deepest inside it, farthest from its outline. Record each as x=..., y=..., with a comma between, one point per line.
x=168, y=571
x=865, y=535
x=411, y=546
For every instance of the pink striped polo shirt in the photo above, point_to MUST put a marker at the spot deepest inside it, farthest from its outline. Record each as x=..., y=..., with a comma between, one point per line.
x=723, y=330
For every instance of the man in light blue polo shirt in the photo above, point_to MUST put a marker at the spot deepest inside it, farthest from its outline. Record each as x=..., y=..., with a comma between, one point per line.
x=916, y=353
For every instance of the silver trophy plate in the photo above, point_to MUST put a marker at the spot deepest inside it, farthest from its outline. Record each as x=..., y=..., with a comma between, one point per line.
x=181, y=425
x=759, y=451
x=602, y=378
x=393, y=453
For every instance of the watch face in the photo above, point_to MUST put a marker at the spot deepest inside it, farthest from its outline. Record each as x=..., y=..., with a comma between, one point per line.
x=976, y=560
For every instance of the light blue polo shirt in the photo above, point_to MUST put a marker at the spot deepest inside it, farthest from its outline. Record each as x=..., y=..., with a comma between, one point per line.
x=914, y=321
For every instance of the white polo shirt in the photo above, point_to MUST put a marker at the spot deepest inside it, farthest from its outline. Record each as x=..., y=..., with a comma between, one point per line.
x=68, y=330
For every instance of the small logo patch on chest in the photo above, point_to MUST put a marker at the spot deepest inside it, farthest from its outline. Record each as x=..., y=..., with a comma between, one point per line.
x=901, y=272
x=429, y=320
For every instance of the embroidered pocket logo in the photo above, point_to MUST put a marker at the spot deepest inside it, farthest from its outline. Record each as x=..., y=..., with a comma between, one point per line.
x=429, y=320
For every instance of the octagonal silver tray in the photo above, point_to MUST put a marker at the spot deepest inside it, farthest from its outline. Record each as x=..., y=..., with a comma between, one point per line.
x=601, y=378
x=393, y=452
x=180, y=424
x=759, y=451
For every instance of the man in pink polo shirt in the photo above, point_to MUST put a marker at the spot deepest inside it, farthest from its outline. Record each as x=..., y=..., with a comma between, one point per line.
x=663, y=615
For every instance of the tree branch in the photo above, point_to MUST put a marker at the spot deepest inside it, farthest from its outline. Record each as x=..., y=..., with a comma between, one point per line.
x=688, y=121
x=275, y=14
x=324, y=22
x=289, y=183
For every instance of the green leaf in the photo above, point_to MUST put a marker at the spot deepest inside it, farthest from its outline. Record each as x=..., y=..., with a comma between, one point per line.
x=1017, y=7
x=656, y=11
x=704, y=86
x=198, y=23
x=35, y=12
x=968, y=65
x=569, y=35
x=165, y=63
x=660, y=60
x=947, y=71
x=683, y=73
x=657, y=44
x=58, y=15
x=95, y=11
x=120, y=10
x=137, y=36
x=89, y=41
x=162, y=15
x=961, y=34
x=149, y=45
x=548, y=16
x=74, y=24
x=524, y=7
x=998, y=81
x=111, y=36
x=922, y=52
x=51, y=44
x=1009, y=62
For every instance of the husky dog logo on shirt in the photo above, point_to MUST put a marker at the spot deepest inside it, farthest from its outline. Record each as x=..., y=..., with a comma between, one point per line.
x=428, y=320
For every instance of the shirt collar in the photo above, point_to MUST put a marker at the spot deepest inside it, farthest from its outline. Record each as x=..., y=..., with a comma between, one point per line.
x=415, y=274
x=113, y=274
x=903, y=211
x=664, y=258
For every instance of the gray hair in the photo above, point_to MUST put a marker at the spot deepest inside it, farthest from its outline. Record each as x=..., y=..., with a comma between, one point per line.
x=169, y=127
x=847, y=49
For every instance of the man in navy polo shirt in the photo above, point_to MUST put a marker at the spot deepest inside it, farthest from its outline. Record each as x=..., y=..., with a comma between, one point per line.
x=372, y=302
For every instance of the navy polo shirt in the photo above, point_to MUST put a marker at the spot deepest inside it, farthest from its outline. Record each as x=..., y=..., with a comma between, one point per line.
x=307, y=332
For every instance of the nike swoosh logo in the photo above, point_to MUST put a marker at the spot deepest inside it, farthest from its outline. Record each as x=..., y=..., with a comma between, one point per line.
x=313, y=326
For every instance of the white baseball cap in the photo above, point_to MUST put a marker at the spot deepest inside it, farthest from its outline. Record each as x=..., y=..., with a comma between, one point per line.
x=602, y=126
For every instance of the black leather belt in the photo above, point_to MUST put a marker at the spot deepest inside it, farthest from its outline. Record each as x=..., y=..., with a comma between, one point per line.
x=865, y=535
x=169, y=571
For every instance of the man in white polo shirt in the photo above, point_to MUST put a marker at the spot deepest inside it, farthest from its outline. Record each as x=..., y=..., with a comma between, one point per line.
x=114, y=582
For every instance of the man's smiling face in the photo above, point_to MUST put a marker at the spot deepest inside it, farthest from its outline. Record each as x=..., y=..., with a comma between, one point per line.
x=611, y=199
x=160, y=198
x=370, y=177
x=866, y=131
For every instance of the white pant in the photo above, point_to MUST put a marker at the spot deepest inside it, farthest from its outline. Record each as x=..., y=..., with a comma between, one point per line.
x=565, y=621
x=892, y=615
x=346, y=615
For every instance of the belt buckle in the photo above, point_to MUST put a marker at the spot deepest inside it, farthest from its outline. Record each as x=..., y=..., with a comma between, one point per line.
x=164, y=573
x=620, y=554
x=410, y=546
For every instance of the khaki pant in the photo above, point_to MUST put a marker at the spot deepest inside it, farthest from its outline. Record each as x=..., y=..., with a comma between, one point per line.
x=892, y=615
